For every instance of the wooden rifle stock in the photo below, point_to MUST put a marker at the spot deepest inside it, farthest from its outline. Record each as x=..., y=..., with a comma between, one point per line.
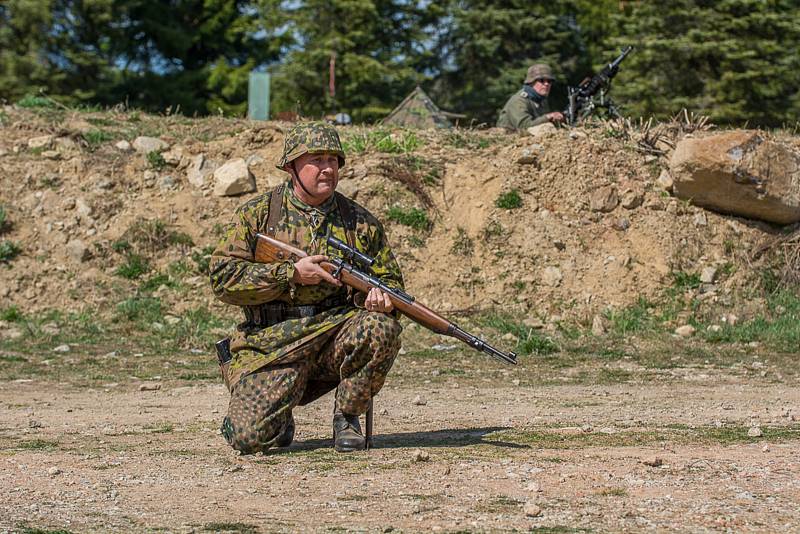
x=271, y=250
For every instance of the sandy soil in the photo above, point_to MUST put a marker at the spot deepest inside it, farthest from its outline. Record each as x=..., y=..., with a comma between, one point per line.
x=472, y=458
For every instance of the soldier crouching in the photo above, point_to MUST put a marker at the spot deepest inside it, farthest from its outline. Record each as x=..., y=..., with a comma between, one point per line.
x=304, y=334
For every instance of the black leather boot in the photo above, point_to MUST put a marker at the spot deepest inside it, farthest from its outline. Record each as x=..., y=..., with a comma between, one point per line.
x=286, y=437
x=347, y=436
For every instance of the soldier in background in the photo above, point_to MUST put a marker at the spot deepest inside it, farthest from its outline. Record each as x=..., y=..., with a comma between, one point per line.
x=528, y=107
x=304, y=334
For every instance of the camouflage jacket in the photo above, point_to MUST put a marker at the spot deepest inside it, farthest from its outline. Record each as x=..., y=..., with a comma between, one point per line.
x=524, y=109
x=236, y=278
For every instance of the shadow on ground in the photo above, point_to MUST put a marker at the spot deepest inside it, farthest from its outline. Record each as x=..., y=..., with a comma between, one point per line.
x=459, y=437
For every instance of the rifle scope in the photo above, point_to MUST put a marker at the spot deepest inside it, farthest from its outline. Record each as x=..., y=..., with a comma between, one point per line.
x=350, y=253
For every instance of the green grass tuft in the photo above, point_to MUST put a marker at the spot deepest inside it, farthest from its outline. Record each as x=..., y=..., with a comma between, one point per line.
x=529, y=341
x=413, y=217
x=156, y=160
x=134, y=267
x=146, y=309
x=33, y=101
x=95, y=138
x=402, y=142
x=509, y=201
x=9, y=250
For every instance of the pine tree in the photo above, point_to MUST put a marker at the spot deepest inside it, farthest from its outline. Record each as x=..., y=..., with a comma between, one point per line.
x=492, y=43
x=734, y=60
x=376, y=56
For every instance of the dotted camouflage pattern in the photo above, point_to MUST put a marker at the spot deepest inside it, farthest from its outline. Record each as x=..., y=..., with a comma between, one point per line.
x=356, y=355
x=311, y=138
x=236, y=279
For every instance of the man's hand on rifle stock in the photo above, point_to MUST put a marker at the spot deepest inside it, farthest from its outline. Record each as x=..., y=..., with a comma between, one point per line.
x=555, y=117
x=378, y=301
x=308, y=272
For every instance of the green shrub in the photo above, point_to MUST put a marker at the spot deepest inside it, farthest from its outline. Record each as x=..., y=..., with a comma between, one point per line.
x=635, y=318
x=94, y=138
x=462, y=244
x=147, y=309
x=134, y=267
x=9, y=250
x=413, y=217
x=156, y=160
x=32, y=101
x=11, y=314
x=529, y=341
x=683, y=281
x=509, y=201
x=4, y=222
x=401, y=142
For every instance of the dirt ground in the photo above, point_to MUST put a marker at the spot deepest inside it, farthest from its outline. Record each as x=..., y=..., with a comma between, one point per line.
x=468, y=453
x=110, y=405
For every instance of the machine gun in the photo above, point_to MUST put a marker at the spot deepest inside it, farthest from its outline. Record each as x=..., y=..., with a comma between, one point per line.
x=270, y=250
x=592, y=93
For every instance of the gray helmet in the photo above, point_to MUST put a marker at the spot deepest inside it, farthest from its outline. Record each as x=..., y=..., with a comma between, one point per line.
x=539, y=71
x=311, y=138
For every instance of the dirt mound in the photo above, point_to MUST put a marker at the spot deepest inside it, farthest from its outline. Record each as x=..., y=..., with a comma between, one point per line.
x=556, y=226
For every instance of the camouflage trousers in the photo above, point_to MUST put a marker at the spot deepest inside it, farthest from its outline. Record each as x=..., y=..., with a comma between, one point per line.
x=353, y=358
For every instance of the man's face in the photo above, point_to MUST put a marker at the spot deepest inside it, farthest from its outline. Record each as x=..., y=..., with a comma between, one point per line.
x=319, y=174
x=542, y=86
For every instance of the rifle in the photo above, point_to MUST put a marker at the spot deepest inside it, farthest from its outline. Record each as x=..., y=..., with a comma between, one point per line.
x=581, y=98
x=270, y=250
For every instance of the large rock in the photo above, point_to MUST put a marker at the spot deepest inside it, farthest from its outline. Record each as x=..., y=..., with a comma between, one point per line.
x=604, y=199
x=741, y=173
x=234, y=178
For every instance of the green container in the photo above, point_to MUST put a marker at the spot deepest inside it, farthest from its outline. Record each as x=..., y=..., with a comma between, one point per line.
x=258, y=96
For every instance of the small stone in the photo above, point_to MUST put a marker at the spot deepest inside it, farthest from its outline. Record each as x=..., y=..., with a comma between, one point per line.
x=167, y=183
x=516, y=382
x=604, y=199
x=172, y=320
x=665, y=181
x=145, y=145
x=53, y=471
x=730, y=319
x=700, y=219
x=421, y=456
x=533, y=487
x=714, y=328
x=51, y=154
x=755, y=432
x=384, y=412
x=541, y=130
x=532, y=510
x=621, y=224
x=765, y=448
x=631, y=199
x=41, y=142
x=78, y=251
x=233, y=178
x=534, y=322
x=419, y=401
x=708, y=275
x=62, y=348
x=686, y=330
x=124, y=146
x=551, y=276
x=150, y=386
x=653, y=462
x=508, y=336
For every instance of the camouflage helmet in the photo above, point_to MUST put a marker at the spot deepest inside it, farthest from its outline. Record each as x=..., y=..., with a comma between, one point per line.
x=311, y=138
x=539, y=71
